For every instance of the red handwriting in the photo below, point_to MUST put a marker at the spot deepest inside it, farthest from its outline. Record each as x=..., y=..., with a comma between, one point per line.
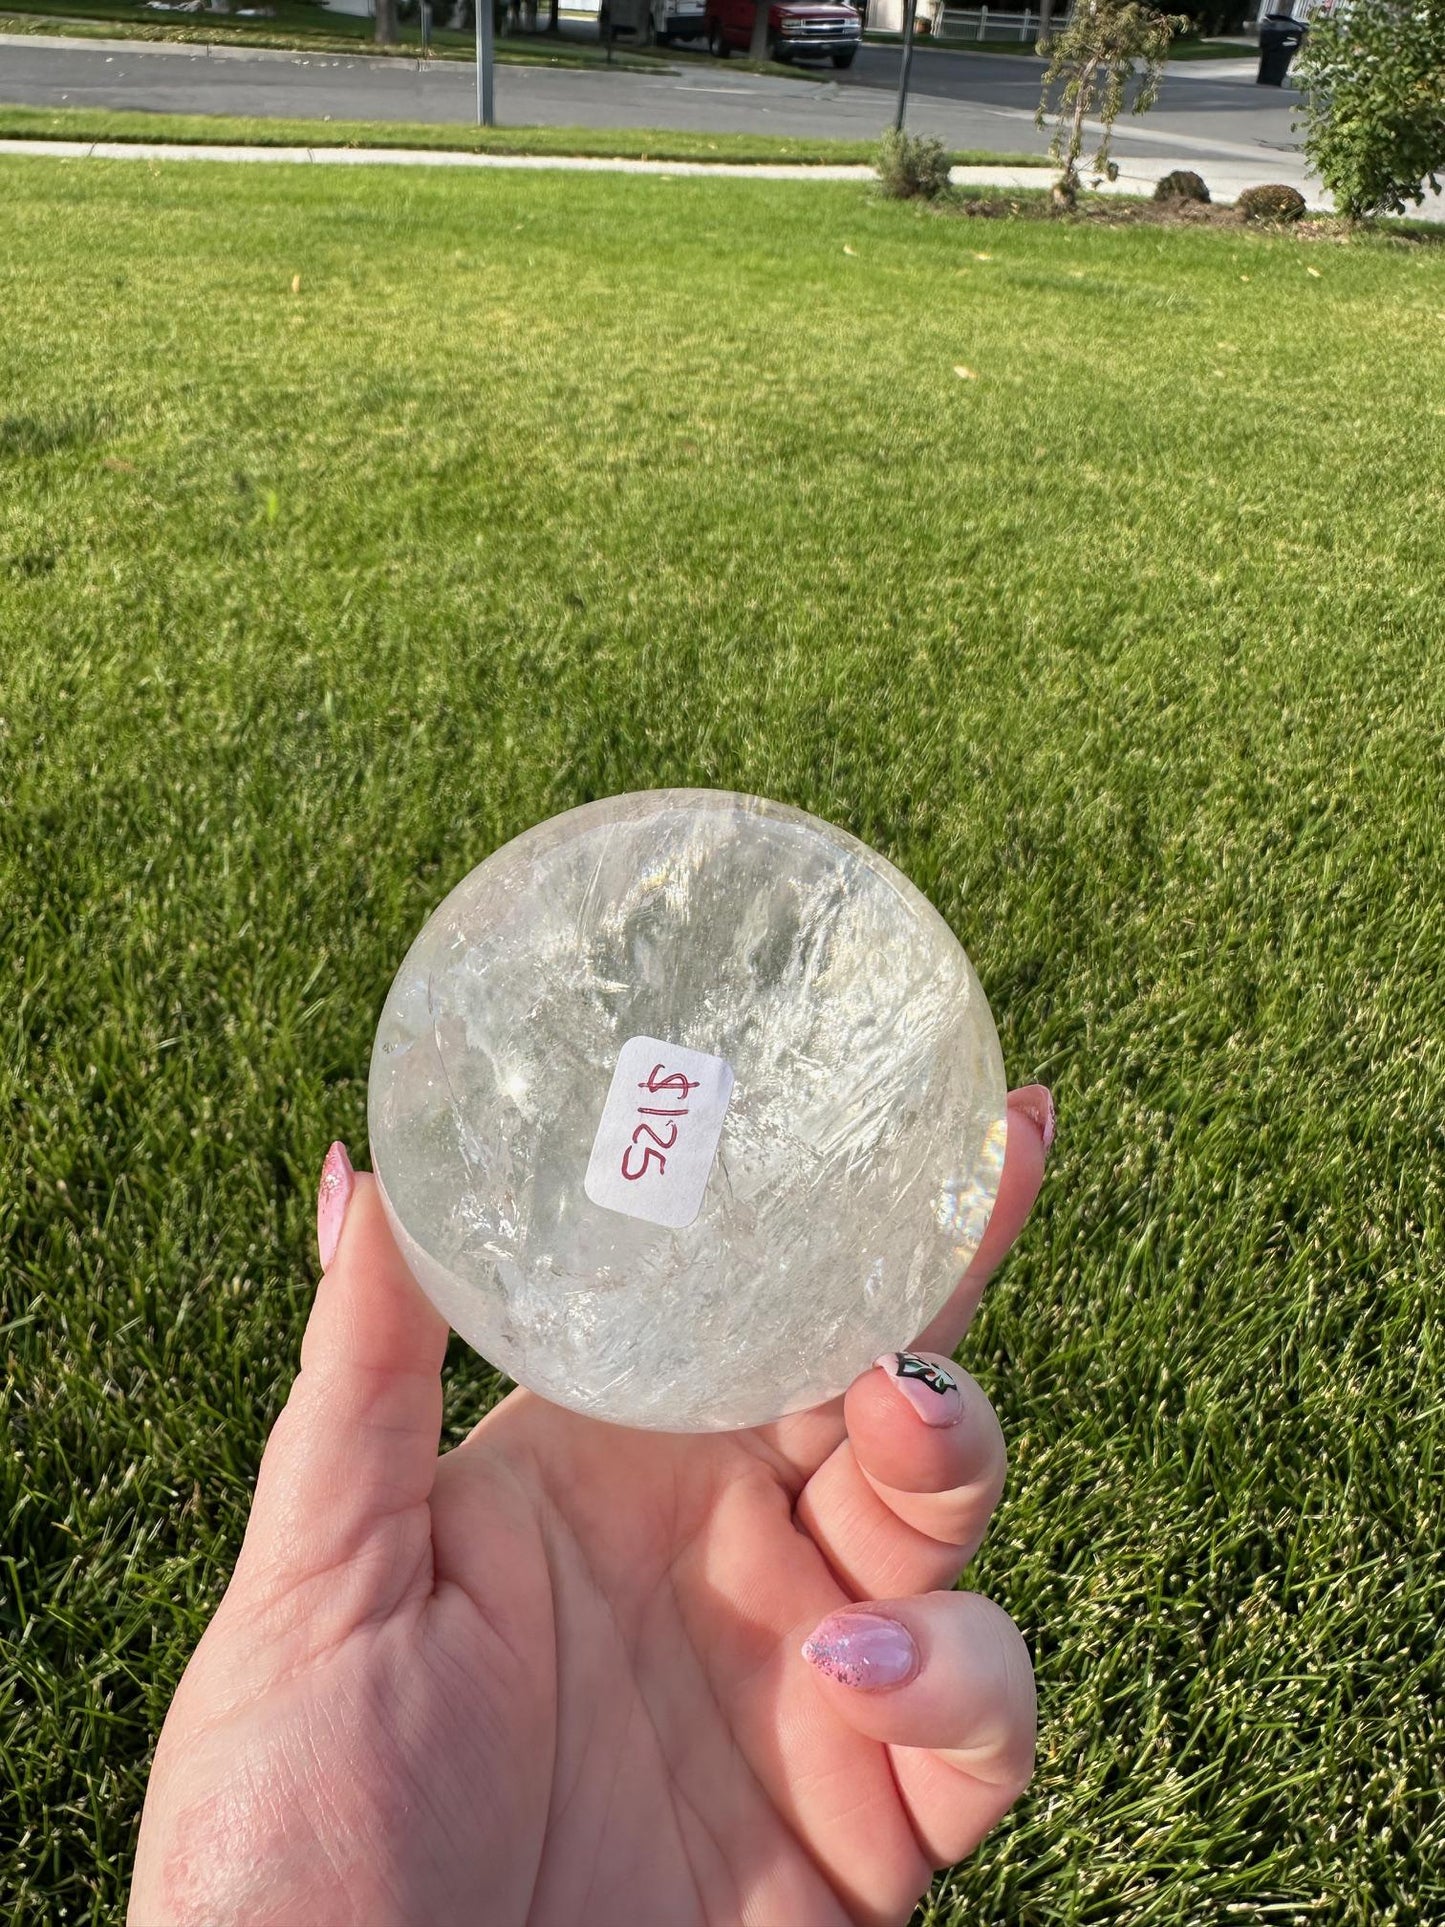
x=658, y=1082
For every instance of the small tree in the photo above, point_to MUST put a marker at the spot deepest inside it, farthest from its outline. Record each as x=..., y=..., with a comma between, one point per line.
x=1374, y=109
x=1103, y=47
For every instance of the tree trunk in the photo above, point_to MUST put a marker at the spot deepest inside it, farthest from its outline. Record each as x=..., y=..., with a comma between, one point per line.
x=759, y=48
x=1046, y=20
x=1076, y=130
x=554, y=23
x=386, y=33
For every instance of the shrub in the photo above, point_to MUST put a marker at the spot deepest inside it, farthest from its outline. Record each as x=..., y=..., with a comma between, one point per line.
x=1181, y=185
x=1273, y=202
x=1374, y=103
x=912, y=168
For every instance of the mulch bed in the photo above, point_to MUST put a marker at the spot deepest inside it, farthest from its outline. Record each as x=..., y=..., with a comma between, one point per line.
x=1099, y=210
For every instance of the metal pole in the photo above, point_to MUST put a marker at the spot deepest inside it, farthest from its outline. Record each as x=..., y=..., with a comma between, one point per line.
x=486, y=117
x=903, y=69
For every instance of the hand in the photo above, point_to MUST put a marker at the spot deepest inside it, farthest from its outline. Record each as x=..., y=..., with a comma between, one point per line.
x=558, y=1675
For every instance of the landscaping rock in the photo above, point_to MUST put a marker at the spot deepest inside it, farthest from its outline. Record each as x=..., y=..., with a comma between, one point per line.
x=1181, y=185
x=1272, y=202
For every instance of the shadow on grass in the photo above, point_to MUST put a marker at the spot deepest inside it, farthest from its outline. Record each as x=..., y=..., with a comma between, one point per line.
x=34, y=435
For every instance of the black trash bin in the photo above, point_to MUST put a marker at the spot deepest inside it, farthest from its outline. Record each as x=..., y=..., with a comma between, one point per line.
x=1279, y=35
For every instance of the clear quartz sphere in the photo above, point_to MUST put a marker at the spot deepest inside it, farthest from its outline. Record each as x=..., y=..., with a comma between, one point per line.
x=685, y=1106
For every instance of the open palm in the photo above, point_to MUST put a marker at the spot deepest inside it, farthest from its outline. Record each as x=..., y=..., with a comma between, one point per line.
x=556, y=1675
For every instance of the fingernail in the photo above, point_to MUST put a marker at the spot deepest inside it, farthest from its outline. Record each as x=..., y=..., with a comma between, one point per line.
x=928, y=1385
x=864, y=1650
x=1037, y=1104
x=338, y=1181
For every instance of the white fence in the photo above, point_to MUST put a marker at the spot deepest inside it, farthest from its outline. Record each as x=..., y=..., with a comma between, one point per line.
x=943, y=22
x=981, y=23
x=1301, y=9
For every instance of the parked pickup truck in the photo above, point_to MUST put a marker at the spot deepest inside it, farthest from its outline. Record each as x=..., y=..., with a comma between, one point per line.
x=797, y=29
x=654, y=23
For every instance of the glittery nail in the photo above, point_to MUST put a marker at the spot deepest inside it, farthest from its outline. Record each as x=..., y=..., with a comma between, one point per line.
x=338, y=1181
x=928, y=1383
x=863, y=1650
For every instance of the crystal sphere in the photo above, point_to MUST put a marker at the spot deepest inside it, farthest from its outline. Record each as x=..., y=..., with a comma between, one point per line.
x=685, y=1106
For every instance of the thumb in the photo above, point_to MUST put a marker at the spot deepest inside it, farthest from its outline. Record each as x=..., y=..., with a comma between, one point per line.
x=943, y=1680
x=353, y=1455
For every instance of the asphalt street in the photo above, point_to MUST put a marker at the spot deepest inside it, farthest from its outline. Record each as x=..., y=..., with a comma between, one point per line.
x=1215, y=101
x=967, y=100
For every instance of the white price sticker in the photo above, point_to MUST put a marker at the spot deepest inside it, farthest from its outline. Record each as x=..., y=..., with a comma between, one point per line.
x=655, y=1146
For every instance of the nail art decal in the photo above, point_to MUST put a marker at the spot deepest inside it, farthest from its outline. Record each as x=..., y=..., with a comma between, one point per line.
x=928, y=1385
x=863, y=1650
x=910, y=1365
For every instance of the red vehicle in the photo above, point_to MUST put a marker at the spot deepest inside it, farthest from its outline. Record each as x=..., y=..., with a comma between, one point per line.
x=797, y=29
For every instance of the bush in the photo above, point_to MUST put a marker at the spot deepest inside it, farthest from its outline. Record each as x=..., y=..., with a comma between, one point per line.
x=1181, y=185
x=1273, y=202
x=1374, y=87
x=912, y=168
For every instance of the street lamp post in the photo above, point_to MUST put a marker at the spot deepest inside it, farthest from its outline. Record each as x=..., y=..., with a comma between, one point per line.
x=486, y=117
x=907, y=63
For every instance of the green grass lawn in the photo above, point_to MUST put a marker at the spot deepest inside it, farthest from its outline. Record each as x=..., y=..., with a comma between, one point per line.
x=641, y=143
x=309, y=28
x=1127, y=650
x=1186, y=48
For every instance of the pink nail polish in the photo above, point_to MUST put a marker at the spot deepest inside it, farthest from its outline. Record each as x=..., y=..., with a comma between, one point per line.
x=863, y=1650
x=338, y=1181
x=929, y=1384
x=1037, y=1104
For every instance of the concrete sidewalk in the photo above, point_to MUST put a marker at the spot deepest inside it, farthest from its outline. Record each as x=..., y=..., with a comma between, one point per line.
x=1135, y=177
x=445, y=157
